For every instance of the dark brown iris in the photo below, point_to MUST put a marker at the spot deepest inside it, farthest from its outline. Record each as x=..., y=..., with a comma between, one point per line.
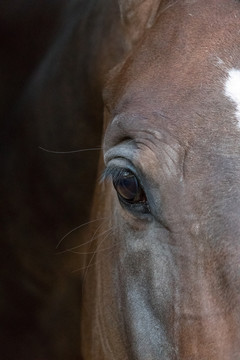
x=128, y=188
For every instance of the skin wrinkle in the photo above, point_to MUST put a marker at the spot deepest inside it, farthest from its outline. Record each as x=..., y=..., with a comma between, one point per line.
x=175, y=289
x=157, y=166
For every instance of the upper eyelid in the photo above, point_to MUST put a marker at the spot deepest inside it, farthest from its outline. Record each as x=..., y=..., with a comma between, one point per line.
x=113, y=172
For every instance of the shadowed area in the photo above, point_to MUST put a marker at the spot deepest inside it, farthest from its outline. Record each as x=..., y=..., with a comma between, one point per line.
x=50, y=98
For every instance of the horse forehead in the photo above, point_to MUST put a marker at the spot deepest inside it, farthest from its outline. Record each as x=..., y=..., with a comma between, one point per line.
x=185, y=43
x=188, y=62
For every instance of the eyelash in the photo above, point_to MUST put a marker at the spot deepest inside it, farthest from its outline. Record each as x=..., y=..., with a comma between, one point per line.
x=113, y=173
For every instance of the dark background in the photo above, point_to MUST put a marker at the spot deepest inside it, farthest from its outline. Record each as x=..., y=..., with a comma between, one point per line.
x=44, y=195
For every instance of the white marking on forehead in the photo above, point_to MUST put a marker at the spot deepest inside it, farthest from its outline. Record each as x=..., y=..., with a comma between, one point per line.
x=232, y=90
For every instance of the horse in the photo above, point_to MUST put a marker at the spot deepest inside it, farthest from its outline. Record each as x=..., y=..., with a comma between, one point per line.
x=162, y=276
x=161, y=253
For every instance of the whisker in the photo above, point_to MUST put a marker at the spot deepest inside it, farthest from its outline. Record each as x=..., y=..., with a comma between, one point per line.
x=91, y=240
x=76, y=228
x=69, y=152
x=106, y=232
x=85, y=243
x=92, y=252
x=90, y=264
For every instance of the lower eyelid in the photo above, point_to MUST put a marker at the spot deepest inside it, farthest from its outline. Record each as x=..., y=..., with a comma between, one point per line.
x=137, y=209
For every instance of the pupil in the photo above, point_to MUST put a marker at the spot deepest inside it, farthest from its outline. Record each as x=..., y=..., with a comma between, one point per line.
x=127, y=186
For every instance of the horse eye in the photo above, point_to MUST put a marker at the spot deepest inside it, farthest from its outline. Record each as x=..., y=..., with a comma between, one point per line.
x=128, y=188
